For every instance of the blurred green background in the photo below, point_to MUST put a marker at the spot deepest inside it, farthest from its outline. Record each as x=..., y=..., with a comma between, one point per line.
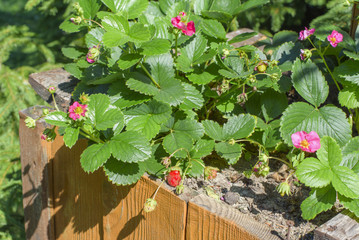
x=30, y=41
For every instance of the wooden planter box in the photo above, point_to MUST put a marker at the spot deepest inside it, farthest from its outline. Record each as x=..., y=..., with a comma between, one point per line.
x=61, y=201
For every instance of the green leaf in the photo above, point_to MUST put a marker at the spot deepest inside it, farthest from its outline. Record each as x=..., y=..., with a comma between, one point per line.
x=286, y=54
x=238, y=127
x=319, y=200
x=193, y=98
x=314, y=173
x=90, y=8
x=155, y=47
x=349, y=96
x=139, y=33
x=58, y=119
x=147, y=118
x=326, y=121
x=273, y=104
x=71, y=135
x=94, y=156
x=345, y=181
x=114, y=38
x=123, y=173
x=329, y=152
x=101, y=114
x=202, y=148
x=248, y=5
x=201, y=77
x=242, y=37
x=230, y=152
x=351, y=55
x=153, y=165
x=171, y=92
x=213, y=130
x=115, y=23
x=228, y=6
x=130, y=146
x=161, y=67
x=197, y=168
x=190, y=127
x=218, y=15
x=134, y=8
x=349, y=203
x=352, y=78
x=213, y=28
x=195, y=49
x=94, y=37
x=128, y=60
x=175, y=141
x=71, y=52
x=122, y=97
x=350, y=155
x=309, y=82
x=141, y=83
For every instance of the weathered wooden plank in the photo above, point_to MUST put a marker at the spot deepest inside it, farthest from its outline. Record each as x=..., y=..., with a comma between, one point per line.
x=213, y=220
x=36, y=179
x=344, y=226
x=124, y=218
x=249, y=41
x=58, y=78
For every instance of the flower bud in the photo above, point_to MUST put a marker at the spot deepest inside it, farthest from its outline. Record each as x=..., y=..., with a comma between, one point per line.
x=261, y=67
x=48, y=134
x=166, y=161
x=252, y=78
x=263, y=158
x=52, y=89
x=242, y=98
x=76, y=20
x=45, y=111
x=150, y=205
x=179, y=189
x=305, y=54
x=84, y=98
x=30, y=122
x=210, y=172
x=93, y=54
x=232, y=142
x=284, y=189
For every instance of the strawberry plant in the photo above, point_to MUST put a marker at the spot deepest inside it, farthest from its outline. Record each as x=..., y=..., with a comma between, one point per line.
x=161, y=87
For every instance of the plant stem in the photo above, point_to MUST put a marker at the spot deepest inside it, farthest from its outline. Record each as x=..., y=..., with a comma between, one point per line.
x=149, y=75
x=283, y=161
x=154, y=195
x=199, y=162
x=325, y=62
x=53, y=99
x=94, y=22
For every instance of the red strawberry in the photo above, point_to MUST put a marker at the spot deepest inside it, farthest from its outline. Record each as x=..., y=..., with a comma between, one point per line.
x=174, y=178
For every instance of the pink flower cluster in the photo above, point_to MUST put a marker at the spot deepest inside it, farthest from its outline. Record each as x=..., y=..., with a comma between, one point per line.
x=304, y=34
x=335, y=38
x=180, y=23
x=77, y=110
x=308, y=142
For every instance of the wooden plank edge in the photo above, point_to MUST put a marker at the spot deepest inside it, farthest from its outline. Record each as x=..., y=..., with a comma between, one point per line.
x=36, y=176
x=243, y=222
x=345, y=225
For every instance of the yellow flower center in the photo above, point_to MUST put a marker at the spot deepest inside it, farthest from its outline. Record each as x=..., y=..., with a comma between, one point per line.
x=78, y=110
x=333, y=39
x=304, y=144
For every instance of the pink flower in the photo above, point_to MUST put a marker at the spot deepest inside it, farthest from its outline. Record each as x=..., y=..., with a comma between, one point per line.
x=180, y=23
x=190, y=30
x=335, y=38
x=309, y=142
x=93, y=54
x=176, y=22
x=43, y=137
x=306, y=33
x=77, y=110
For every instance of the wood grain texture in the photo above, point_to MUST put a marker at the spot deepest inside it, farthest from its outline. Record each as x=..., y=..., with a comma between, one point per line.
x=213, y=220
x=249, y=41
x=344, y=226
x=126, y=220
x=36, y=178
x=59, y=78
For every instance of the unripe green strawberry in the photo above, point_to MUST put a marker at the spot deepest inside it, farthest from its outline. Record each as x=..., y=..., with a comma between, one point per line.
x=210, y=173
x=150, y=205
